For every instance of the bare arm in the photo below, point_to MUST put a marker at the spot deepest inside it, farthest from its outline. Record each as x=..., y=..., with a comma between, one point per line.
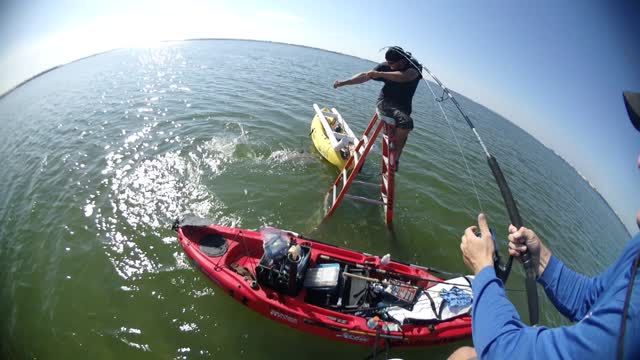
x=356, y=79
x=397, y=76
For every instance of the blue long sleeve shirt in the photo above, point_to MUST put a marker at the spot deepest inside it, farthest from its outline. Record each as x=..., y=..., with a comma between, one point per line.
x=594, y=304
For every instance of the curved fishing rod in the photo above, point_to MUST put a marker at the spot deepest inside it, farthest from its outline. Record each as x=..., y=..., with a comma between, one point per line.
x=502, y=271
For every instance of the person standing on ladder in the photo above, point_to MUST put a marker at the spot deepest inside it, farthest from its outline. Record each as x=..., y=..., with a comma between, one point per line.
x=401, y=75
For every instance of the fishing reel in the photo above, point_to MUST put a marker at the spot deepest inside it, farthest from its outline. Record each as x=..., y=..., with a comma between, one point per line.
x=502, y=270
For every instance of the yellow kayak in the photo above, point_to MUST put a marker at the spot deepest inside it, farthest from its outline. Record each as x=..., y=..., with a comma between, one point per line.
x=338, y=145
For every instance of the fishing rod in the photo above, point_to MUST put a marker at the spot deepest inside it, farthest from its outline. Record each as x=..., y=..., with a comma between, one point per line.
x=502, y=271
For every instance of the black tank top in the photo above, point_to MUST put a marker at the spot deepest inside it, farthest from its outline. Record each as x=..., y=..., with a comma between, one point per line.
x=397, y=94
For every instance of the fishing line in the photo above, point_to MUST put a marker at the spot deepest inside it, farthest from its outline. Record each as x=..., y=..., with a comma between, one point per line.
x=464, y=159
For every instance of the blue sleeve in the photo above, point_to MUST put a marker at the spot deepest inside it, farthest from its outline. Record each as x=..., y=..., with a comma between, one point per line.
x=574, y=294
x=498, y=331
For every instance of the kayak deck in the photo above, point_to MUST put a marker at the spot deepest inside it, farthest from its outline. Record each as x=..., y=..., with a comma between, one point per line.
x=341, y=314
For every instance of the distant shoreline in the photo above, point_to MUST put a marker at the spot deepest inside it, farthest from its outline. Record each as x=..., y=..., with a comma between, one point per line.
x=170, y=41
x=54, y=68
x=276, y=42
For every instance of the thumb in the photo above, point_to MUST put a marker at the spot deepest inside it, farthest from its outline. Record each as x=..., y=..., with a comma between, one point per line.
x=482, y=223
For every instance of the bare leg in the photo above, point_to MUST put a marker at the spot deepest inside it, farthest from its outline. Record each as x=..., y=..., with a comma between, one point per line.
x=401, y=139
x=464, y=353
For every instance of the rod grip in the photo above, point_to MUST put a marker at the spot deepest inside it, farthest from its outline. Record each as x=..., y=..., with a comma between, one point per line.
x=509, y=202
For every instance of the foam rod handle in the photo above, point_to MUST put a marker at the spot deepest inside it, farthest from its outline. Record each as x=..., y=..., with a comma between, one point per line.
x=532, y=291
x=516, y=220
x=509, y=202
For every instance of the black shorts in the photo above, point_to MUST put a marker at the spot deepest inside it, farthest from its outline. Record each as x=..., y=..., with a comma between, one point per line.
x=402, y=117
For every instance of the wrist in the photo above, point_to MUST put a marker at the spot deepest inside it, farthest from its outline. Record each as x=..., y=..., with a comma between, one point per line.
x=481, y=265
x=545, y=257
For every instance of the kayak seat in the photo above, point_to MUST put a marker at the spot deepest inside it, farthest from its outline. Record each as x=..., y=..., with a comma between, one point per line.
x=213, y=245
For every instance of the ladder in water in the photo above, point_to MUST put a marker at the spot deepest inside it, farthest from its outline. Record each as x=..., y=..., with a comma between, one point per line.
x=338, y=191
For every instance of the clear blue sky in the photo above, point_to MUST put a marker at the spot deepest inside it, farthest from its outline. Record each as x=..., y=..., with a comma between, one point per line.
x=554, y=68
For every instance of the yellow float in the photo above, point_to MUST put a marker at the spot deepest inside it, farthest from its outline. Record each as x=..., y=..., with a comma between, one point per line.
x=331, y=136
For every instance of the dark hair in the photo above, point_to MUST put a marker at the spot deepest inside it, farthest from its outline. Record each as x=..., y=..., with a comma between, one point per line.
x=395, y=53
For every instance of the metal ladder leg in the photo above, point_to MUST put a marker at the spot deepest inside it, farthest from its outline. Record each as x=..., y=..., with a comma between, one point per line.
x=389, y=158
x=347, y=176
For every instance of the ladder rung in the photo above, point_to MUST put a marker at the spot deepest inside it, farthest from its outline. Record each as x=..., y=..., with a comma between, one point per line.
x=365, y=183
x=363, y=199
x=364, y=146
x=334, y=196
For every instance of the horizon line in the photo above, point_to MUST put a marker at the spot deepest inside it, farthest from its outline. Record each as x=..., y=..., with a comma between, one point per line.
x=13, y=88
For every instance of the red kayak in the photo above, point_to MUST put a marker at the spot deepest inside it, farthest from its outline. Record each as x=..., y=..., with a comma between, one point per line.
x=329, y=291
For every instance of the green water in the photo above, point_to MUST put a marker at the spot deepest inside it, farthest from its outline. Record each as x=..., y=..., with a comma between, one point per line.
x=99, y=157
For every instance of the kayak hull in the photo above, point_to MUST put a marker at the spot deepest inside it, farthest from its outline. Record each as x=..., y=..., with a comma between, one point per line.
x=245, y=248
x=323, y=144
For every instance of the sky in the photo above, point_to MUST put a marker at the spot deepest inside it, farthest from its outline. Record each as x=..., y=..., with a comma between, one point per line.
x=555, y=68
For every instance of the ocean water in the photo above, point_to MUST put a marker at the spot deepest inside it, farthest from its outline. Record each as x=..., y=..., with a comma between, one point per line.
x=101, y=155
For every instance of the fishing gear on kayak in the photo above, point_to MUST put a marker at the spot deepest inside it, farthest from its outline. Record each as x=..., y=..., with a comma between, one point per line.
x=330, y=291
x=502, y=270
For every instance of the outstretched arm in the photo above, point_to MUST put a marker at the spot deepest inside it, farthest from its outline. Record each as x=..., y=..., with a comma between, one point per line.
x=356, y=79
x=396, y=76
